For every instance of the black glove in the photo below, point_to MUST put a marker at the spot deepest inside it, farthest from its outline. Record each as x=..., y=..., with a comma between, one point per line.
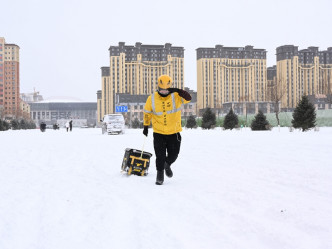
x=146, y=130
x=182, y=93
x=173, y=90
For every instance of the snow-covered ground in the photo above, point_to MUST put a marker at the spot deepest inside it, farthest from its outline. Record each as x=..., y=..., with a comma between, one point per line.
x=231, y=189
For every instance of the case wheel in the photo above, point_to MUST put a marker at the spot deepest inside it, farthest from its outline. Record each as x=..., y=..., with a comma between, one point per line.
x=130, y=170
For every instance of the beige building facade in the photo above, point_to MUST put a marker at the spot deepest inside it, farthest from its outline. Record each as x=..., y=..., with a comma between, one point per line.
x=230, y=74
x=99, y=105
x=25, y=109
x=303, y=72
x=135, y=70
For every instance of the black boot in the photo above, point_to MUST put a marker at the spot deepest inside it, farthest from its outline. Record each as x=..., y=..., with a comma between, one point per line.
x=160, y=177
x=168, y=171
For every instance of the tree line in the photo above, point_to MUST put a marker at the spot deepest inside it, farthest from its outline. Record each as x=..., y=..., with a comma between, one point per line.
x=17, y=124
x=304, y=117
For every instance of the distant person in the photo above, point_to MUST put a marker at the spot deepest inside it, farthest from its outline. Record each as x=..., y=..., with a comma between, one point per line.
x=71, y=125
x=55, y=126
x=42, y=126
x=67, y=126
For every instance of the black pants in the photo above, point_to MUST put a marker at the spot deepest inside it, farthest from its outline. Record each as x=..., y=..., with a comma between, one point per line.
x=167, y=148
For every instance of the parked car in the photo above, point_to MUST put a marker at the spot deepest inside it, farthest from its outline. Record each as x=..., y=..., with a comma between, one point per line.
x=113, y=123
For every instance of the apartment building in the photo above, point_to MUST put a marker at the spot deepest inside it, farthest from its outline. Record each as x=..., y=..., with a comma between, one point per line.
x=303, y=72
x=99, y=113
x=135, y=70
x=271, y=74
x=9, y=79
x=230, y=74
x=25, y=109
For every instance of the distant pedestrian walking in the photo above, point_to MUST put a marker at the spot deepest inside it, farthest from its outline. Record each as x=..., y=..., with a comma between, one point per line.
x=71, y=125
x=42, y=126
x=67, y=126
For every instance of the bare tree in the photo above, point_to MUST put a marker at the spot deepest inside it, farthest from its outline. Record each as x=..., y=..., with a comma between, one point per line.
x=327, y=88
x=245, y=98
x=275, y=92
x=219, y=107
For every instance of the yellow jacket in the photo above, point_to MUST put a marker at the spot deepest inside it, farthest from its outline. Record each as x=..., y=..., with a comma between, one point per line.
x=165, y=113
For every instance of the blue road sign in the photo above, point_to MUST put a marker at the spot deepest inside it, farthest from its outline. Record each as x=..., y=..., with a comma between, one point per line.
x=120, y=108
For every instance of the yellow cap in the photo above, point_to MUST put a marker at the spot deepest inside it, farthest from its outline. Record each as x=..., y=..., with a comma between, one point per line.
x=164, y=81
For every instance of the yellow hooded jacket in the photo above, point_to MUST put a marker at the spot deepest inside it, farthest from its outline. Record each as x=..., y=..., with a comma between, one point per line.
x=165, y=113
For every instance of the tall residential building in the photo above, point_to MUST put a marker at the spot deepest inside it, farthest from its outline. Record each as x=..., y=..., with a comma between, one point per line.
x=303, y=72
x=271, y=79
x=9, y=79
x=230, y=74
x=2, y=75
x=99, y=114
x=135, y=70
x=271, y=73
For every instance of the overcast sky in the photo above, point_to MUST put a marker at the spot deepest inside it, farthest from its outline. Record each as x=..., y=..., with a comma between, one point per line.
x=65, y=42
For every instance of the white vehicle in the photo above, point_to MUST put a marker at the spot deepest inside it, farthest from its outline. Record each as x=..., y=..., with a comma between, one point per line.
x=113, y=123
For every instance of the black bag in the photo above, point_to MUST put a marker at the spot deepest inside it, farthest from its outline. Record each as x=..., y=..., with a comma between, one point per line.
x=135, y=162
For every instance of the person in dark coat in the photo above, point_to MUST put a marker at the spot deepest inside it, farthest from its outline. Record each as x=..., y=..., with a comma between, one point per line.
x=42, y=126
x=70, y=125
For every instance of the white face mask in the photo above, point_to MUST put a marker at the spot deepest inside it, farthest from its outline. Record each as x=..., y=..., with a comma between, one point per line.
x=163, y=91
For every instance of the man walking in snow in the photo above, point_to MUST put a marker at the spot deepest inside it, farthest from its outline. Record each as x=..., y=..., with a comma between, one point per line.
x=164, y=109
x=71, y=125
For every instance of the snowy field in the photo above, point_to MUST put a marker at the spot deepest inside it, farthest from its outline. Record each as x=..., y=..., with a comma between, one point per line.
x=231, y=189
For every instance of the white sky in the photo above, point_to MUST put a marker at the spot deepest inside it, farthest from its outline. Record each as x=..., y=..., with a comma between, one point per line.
x=65, y=42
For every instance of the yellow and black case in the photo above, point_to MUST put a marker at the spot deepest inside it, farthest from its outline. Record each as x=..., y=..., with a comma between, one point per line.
x=135, y=162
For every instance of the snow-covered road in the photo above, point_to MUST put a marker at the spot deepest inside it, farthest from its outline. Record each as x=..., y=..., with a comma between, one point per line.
x=231, y=189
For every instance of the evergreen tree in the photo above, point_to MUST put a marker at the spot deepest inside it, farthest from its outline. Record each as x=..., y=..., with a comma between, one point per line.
x=31, y=125
x=5, y=125
x=15, y=124
x=209, y=119
x=260, y=123
x=231, y=120
x=2, y=128
x=191, y=122
x=304, y=115
x=135, y=124
x=23, y=124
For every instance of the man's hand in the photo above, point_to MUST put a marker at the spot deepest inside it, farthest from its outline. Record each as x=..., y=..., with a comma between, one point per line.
x=146, y=130
x=173, y=90
x=182, y=93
